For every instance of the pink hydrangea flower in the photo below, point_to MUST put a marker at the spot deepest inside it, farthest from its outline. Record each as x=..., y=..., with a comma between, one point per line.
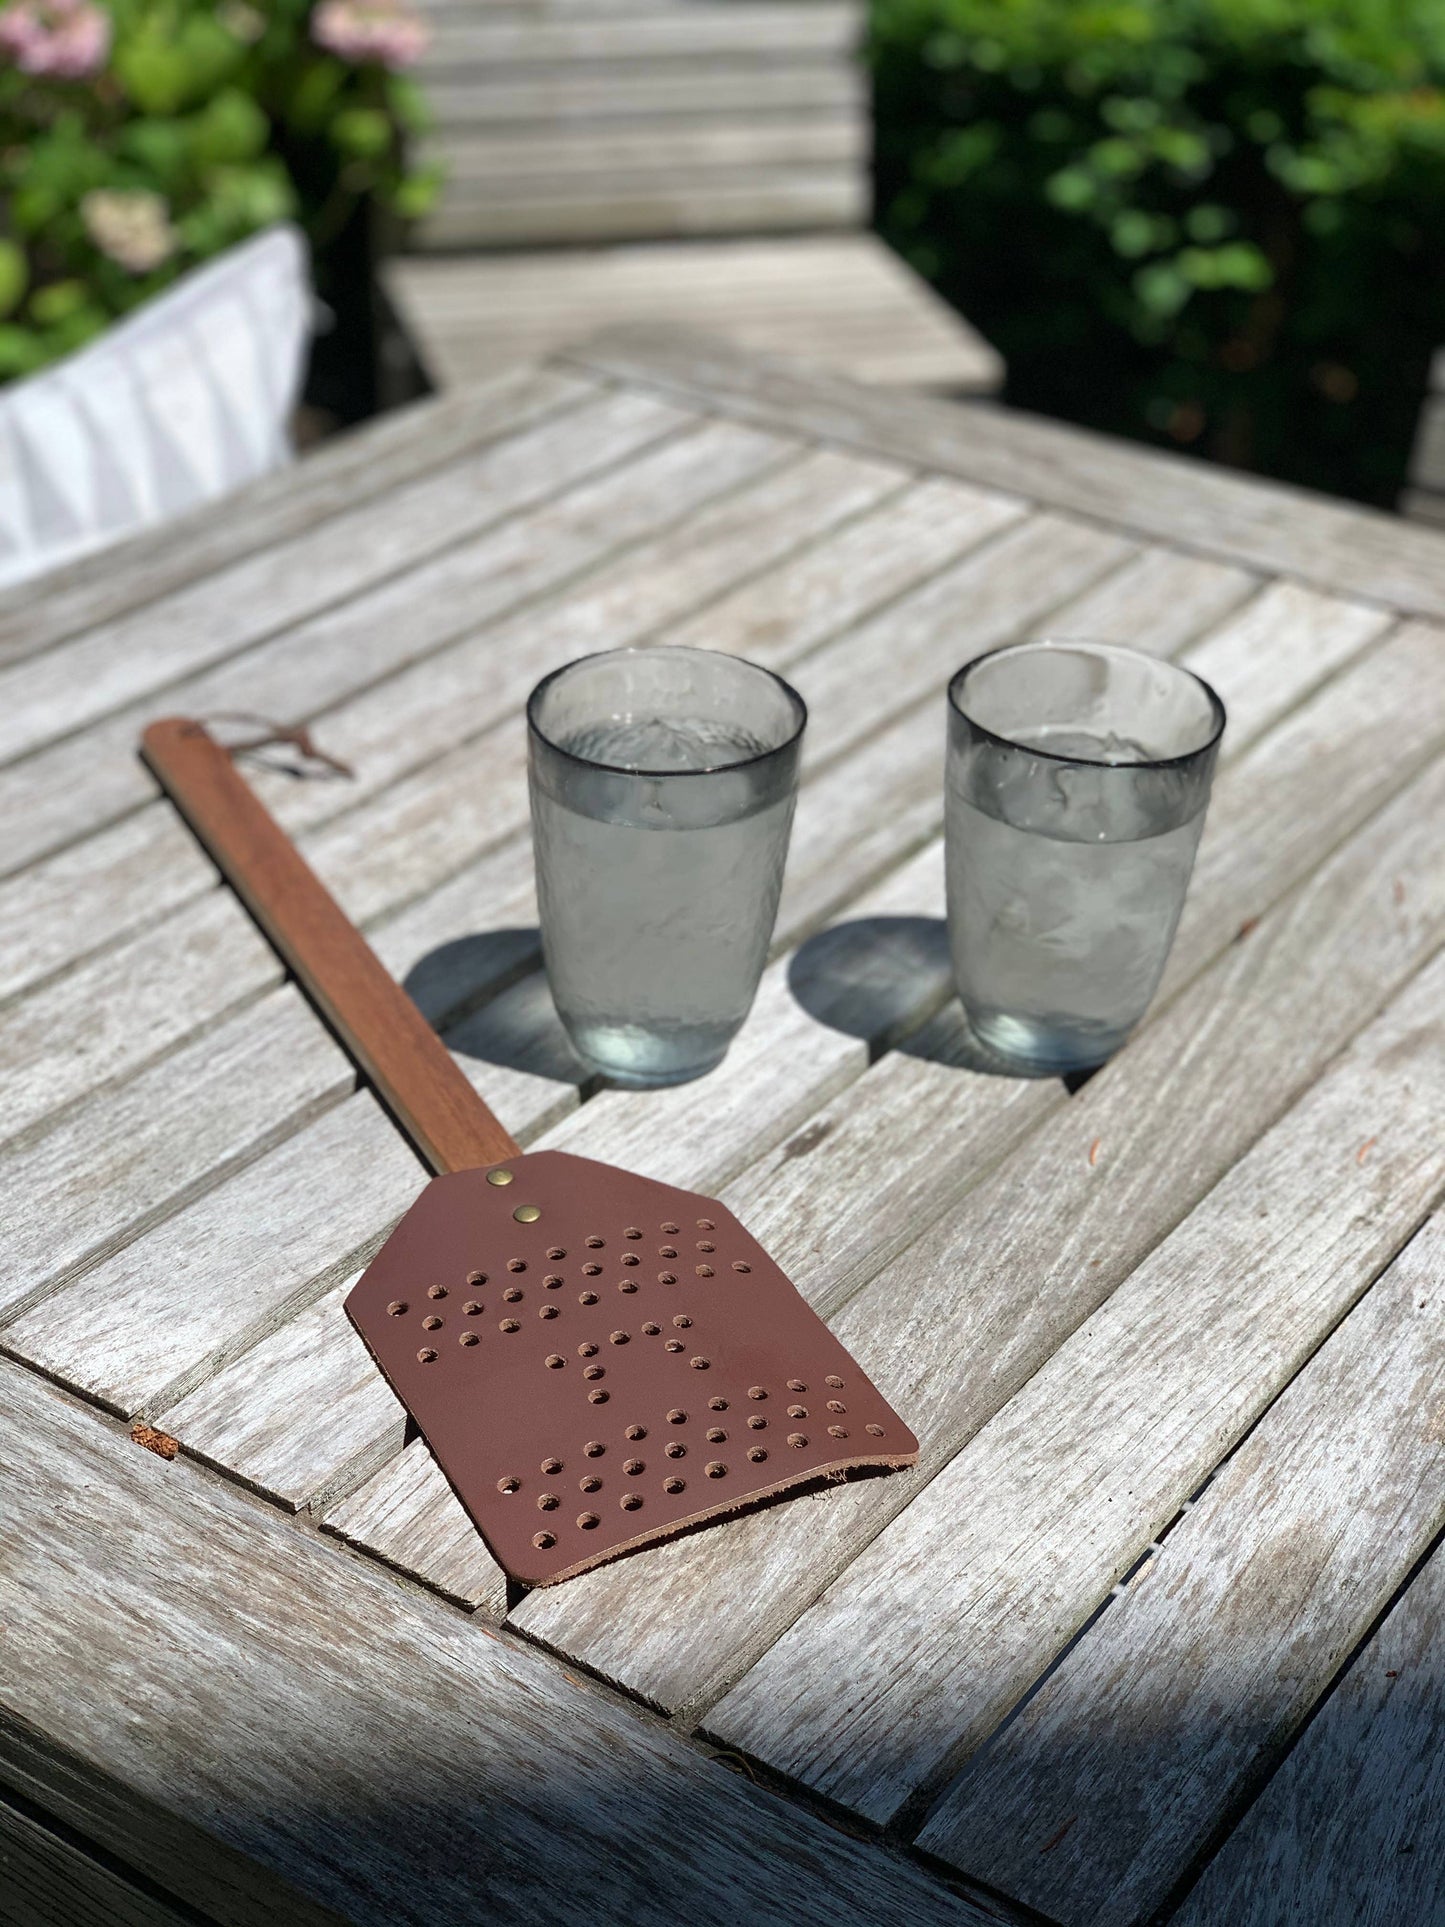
x=67, y=39
x=386, y=31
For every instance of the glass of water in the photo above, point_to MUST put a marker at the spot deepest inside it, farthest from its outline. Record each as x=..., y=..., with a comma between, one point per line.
x=1078, y=777
x=662, y=784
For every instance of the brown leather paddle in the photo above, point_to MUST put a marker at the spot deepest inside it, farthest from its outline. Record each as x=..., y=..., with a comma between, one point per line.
x=597, y=1360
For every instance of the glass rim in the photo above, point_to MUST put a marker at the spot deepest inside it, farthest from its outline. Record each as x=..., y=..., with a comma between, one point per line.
x=1044, y=643
x=676, y=650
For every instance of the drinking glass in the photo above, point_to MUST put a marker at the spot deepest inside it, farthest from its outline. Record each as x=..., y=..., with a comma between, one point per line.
x=662, y=783
x=1078, y=776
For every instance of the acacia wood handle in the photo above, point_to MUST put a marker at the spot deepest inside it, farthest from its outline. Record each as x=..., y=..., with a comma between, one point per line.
x=391, y=1042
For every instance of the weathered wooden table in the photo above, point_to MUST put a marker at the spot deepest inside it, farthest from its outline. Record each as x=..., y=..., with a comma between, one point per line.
x=1156, y=1625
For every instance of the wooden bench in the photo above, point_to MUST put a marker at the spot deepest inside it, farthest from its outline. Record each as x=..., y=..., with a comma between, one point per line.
x=686, y=125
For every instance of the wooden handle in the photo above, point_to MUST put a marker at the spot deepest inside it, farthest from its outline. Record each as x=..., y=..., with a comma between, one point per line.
x=392, y=1043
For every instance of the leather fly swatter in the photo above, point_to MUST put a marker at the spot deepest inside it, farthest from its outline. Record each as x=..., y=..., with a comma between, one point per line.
x=596, y=1360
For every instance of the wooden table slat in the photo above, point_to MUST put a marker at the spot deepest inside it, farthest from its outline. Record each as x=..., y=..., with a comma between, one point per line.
x=1348, y=1832
x=332, y=479
x=139, y=1151
x=1338, y=547
x=81, y=680
x=1040, y=1243
x=79, y=786
x=1289, y=639
x=313, y=1731
x=260, y=1419
x=1194, y=1681
x=947, y=1618
x=1189, y=1271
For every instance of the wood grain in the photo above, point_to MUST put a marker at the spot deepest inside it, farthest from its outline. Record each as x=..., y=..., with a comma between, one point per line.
x=1348, y=1832
x=261, y=1420
x=383, y=1032
x=1322, y=771
x=842, y=298
x=1343, y=550
x=905, y=655
x=49, y=1880
x=1019, y=1538
x=77, y=786
x=145, y=1148
x=184, y=1299
x=279, y=1683
x=1195, y=1680
x=128, y=657
x=407, y=1515
x=116, y=1012
x=738, y=201
x=348, y=468
x=1041, y=1243
x=1286, y=643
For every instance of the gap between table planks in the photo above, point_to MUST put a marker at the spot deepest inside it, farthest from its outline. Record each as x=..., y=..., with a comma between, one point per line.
x=1042, y=1240
x=1163, y=584
x=50, y=1880
x=418, y=819
x=1223, y=1312
x=349, y=467
x=1346, y=1834
x=39, y=1320
x=1341, y=548
x=248, y=1737
x=1189, y=1687
x=793, y=1200
x=301, y=663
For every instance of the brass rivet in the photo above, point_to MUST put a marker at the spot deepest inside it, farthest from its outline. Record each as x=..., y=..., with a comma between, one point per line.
x=527, y=1213
x=499, y=1177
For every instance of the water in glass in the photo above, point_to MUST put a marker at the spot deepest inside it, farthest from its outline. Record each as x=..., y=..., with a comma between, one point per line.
x=654, y=942
x=1064, y=890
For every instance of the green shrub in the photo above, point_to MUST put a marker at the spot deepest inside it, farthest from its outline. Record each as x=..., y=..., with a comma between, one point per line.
x=1212, y=222
x=140, y=137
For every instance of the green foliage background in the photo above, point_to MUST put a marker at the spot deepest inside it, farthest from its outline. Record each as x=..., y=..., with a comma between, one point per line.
x=1214, y=223
x=230, y=113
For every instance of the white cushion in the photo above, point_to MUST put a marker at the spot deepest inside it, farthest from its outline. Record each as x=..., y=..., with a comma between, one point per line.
x=180, y=403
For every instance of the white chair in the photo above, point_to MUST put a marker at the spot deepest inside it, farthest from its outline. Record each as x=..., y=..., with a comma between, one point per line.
x=180, y=403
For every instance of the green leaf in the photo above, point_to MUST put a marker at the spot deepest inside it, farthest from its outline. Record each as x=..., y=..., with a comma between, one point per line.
x=159, y=146
x=314, y=92
x=22, y=351
x=54, y=304
x=1162, y=290
x=363, y=132
x=156, y=74
x=417, y=193
x=1132, y=233
x=231, y=129
x=14, y=277
x=1072, y=189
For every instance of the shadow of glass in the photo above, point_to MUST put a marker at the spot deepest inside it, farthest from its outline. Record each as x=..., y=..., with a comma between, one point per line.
x=453, y=980
x=520, y=1030
x=889, y=980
